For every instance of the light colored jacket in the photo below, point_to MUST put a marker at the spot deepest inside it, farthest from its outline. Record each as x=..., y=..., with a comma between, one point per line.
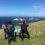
x=3, y=26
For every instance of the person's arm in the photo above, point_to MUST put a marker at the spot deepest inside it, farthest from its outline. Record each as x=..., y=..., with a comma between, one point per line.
x=27, y=25
x=20, y=24
x=3, y=26
x=13, y=27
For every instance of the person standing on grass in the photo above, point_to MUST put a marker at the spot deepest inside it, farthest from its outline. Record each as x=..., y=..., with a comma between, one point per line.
x=10, y=32
x=4, y=26
x=24, y=30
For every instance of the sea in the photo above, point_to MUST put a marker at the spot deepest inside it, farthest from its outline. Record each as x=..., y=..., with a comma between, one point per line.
x=28, y=19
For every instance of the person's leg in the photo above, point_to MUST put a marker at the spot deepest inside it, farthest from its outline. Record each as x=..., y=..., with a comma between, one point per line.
x=22, y=35
x=5, y=33
x=9, y=40
x=27, y=34
x=15, y=36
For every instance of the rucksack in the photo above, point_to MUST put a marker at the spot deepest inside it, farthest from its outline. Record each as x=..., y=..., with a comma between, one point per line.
x=10, y=28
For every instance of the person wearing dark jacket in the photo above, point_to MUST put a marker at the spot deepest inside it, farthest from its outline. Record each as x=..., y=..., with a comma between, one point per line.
x=24, y=30
x=10, y=32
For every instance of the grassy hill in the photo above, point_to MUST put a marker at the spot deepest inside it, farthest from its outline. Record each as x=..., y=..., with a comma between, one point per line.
x=37, y=35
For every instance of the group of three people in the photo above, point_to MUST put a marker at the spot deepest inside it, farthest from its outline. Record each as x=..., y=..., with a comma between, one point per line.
x=9, y=29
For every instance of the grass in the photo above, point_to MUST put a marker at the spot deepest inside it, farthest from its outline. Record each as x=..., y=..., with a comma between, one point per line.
x=37, y=35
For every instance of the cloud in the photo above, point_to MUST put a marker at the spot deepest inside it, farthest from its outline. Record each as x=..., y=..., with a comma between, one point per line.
x=38, y=10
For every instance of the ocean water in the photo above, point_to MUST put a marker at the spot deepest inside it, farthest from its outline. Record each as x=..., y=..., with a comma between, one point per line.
x=28, y=19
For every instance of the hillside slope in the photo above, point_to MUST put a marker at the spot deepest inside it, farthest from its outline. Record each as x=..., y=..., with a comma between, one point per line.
x=37, y=35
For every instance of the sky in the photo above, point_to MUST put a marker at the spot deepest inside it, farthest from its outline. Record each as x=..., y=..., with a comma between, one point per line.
x=22, y=8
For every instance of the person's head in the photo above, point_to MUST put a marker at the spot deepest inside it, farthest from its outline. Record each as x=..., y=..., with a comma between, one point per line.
x=9, y=22
x=23, y=21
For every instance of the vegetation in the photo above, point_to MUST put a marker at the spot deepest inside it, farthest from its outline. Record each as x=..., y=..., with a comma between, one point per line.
x=37, y=35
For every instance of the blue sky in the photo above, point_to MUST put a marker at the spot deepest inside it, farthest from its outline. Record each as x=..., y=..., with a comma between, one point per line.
x=22, y=8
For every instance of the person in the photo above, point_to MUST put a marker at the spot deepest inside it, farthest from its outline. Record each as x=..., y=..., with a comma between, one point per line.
x=10, y=32
x=17, y=32
x=4, y=26
x=24, y=30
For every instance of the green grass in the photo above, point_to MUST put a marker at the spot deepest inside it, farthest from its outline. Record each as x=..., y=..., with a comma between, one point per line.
x=37, y=35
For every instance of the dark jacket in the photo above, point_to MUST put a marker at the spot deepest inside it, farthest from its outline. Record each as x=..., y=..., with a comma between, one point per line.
x=24, y=27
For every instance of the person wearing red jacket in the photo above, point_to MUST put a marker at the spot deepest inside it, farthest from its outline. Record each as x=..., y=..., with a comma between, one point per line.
x=24, y=30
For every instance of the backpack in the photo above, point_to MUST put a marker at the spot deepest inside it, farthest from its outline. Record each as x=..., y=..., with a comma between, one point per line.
x=10, y=28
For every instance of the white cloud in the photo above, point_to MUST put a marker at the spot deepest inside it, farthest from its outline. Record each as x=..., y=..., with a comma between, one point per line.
x=38, y=10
